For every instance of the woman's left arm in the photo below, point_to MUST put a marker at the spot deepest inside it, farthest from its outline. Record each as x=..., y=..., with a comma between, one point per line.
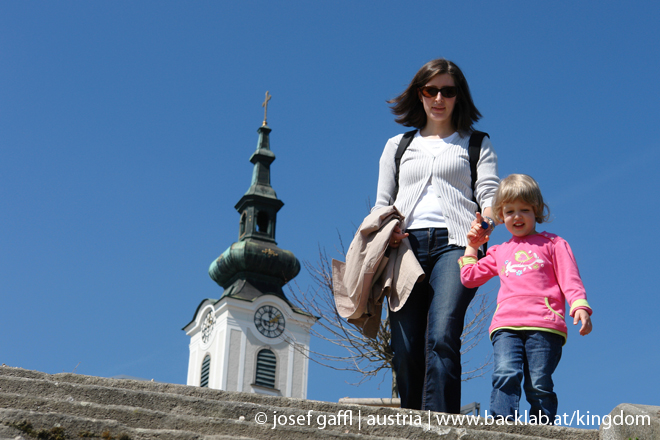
x=487, y=177
x=487, y=182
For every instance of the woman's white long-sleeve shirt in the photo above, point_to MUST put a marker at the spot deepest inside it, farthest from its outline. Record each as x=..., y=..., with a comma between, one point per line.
x=450, y=176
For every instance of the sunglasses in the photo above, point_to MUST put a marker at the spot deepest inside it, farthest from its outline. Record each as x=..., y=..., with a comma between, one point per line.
x=432, y=91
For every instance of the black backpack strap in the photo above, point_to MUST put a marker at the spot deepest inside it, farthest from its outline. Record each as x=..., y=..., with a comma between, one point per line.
x=403, y=144
x=474, y=151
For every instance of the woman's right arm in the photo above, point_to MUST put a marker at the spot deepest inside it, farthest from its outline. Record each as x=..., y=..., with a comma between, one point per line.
x=387, y=184
x=387, y=174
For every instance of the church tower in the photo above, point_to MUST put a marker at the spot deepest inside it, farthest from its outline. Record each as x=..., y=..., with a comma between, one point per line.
x=253, y=339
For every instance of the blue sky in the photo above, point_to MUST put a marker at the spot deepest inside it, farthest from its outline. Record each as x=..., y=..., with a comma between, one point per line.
x=126, y=129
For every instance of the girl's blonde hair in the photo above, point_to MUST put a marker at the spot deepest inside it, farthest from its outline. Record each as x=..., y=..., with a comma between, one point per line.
x=520, y=187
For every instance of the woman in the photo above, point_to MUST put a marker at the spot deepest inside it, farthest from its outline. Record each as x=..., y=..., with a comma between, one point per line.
x=435, y=196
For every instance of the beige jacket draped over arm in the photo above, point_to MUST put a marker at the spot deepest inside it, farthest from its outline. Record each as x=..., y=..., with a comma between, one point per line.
x=373, y=271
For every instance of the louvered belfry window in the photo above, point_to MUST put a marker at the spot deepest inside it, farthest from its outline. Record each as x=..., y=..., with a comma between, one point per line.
x=266, y=367
x=206, y=368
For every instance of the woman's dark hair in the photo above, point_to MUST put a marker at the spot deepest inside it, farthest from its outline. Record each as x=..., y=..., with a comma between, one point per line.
x=410, y=110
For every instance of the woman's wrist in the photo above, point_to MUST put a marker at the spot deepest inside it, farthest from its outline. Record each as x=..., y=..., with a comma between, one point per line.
x=490, y=221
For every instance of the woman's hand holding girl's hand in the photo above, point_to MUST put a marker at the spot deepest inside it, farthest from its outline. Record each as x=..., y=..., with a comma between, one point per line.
x=477, y=235
x=475, y=241
x=397, y=236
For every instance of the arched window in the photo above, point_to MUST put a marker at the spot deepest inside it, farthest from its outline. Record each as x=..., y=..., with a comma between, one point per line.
x=241, y=225
x=266, y=367
x=206, y=368
x=262, y=222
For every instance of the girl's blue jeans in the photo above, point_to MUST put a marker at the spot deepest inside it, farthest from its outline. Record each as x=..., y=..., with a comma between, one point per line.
x=426, y=332
x=527, y=357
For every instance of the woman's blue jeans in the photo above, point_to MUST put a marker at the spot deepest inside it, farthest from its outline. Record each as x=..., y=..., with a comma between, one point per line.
x=426, y=332
x=530, y=355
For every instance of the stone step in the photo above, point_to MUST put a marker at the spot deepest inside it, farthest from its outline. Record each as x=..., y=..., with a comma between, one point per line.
x=91, y=396
x=35, y=424
x=133, y=388
x=149, y=410
x=131, y=420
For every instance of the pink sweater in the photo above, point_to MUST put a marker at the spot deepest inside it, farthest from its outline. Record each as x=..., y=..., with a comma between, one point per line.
x=538, y=274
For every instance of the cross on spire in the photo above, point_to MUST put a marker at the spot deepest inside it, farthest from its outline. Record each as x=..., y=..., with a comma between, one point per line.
x=265, y=106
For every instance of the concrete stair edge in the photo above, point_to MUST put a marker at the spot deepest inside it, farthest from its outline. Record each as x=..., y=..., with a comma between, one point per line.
x=229, y=404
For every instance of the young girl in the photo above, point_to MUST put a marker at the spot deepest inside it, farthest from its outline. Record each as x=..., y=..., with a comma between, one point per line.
x=538, y=274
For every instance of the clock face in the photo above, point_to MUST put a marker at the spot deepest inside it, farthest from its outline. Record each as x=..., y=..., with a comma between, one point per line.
x=269, y=321
x=207, y=327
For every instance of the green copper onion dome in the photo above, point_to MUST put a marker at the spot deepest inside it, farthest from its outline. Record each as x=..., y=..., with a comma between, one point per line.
x=254, y=265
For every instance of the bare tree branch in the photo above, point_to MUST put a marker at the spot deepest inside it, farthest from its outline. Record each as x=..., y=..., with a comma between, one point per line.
x=366, y=356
